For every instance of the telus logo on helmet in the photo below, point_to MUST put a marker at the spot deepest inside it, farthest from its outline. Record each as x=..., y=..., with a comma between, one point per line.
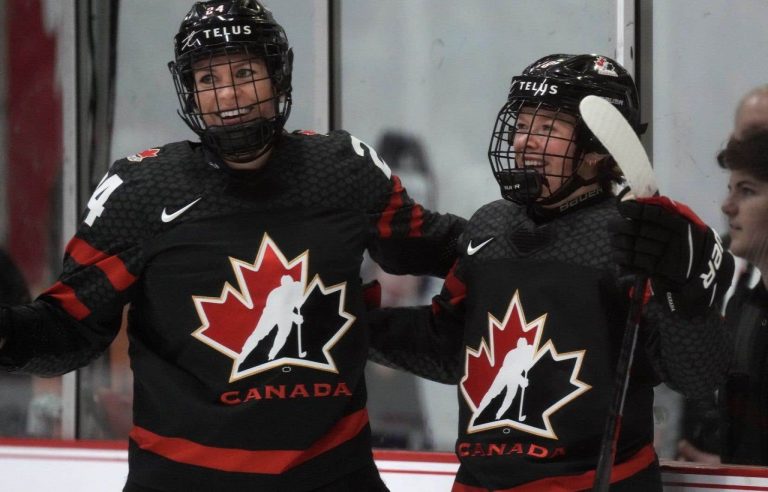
x=538, y=89
x=227, y=31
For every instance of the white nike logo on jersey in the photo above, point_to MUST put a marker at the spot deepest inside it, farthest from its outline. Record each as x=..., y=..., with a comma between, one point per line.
x=166, y=217
x=474, y=249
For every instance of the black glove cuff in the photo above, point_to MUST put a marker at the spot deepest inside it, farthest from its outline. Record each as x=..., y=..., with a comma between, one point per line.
x=693, y=298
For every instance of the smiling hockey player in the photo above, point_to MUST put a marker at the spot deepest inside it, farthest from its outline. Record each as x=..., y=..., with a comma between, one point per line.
x=537, y=271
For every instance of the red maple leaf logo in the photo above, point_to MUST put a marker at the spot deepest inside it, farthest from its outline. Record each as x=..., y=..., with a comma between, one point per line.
x=500, y=369
x=144, y=154
x=227, y=321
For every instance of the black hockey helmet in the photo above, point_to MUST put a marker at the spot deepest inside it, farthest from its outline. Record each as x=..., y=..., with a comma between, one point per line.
x=552, y=87
x=213, y=33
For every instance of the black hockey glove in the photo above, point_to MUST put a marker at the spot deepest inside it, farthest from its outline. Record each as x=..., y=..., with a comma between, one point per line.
x=683, y=257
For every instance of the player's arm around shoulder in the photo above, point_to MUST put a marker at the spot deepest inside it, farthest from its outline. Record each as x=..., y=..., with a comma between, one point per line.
x=424, y=340
x=405, y=237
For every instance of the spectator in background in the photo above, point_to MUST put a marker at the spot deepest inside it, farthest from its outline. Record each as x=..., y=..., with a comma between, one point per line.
x=744, y=396
x=701, y=424
x=752, y=112
x=751, y=115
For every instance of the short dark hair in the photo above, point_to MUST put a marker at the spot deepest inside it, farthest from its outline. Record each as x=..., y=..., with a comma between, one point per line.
x=748, y=154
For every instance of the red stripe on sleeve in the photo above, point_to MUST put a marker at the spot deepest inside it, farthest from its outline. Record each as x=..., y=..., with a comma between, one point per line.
x=417, y=221
x=455, y=288
x=68, y=300
x=270, y=462
x=395, y=202
x=112, y=266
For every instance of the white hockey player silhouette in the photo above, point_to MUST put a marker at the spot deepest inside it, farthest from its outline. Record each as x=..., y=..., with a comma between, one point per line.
x=512, y=374
x=278, y=311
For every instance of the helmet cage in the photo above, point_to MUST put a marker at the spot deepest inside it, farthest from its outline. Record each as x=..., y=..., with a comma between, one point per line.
x=208, y=42
x=559, y=96
x=521, y=173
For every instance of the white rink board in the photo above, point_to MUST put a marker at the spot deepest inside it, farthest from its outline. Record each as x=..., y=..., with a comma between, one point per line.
x=102, y=467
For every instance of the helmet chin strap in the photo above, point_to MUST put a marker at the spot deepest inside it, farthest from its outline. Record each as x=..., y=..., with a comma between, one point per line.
x=571, y=184
x=243, y=143
x=543, y=210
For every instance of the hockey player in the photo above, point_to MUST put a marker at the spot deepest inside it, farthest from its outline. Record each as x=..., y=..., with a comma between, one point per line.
x=538, y=269
x=195, y=236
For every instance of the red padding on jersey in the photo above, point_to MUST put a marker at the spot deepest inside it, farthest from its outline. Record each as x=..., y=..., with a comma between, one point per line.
x=112, y=266
x=270, y=462
x=68, y=300
x=569, y=483
x=675, y=207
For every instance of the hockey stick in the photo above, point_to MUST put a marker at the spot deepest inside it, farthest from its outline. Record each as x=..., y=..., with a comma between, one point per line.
x=620, y=140
x=302, y=353
x=520, y=416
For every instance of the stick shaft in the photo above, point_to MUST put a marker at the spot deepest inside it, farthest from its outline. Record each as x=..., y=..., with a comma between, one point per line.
x=621, y=384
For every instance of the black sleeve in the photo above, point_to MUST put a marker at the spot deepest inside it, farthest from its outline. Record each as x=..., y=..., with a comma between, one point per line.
x=691, y=355
x=41, y=339
x=76, y=318
x=424, y=340
x=409, y=239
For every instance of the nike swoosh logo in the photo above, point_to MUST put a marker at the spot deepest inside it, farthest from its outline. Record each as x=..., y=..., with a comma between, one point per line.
x=166, y=217
x=474, y=249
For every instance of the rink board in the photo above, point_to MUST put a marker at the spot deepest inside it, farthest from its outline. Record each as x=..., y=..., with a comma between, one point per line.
x=98, y=466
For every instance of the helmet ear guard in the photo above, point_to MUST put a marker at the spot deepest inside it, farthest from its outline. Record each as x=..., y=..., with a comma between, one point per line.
x=515, y=183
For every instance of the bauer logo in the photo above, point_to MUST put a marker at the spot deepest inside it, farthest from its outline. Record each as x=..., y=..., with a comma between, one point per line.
x=501, y=374
x=275, y=316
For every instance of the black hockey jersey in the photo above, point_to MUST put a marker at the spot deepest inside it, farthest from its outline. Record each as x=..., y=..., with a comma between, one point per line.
x=246, y=318
x=529, y=325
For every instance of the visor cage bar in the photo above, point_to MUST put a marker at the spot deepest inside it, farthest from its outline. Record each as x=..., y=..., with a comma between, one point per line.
x=531, y=138
x=220, y=89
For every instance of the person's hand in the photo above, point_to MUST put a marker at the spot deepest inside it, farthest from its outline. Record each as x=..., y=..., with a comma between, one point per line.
x=688, y=452
x=683, y=257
